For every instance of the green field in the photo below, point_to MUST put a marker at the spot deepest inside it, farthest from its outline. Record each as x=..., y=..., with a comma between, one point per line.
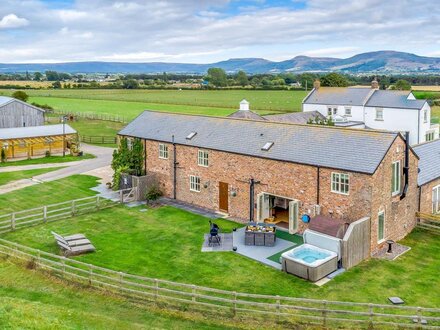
x=32, y=300
x=73, y=187
x=18, y=175
x=46, y=160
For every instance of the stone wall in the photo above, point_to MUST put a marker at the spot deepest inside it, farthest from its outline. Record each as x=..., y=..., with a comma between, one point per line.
x=426, y=196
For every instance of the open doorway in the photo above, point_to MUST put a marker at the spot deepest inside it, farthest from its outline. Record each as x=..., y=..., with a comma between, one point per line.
x=282, y=211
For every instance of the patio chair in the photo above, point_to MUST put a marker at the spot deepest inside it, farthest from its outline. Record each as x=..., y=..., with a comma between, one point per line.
x=214, y=234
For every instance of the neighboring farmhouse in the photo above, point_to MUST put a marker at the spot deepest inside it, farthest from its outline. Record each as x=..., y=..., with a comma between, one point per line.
x=373, y=108
x=258, y=169
x=24, y=135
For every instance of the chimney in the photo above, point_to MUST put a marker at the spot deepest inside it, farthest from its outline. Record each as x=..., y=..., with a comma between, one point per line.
x=244, y=105
x=316, y=84
x=374, y=84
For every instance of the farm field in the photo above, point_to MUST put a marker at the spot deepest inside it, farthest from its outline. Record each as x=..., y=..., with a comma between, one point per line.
x=144, y=243
x=27, y=174
x=426, y=88
x=26, y=83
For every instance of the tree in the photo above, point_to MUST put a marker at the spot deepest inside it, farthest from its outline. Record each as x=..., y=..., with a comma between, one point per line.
x=403, y=85
x=52, y=76
x=217, y=77
x=334, y=80
x=20, y=95
x=130, y=84
x=242, y=78
x=56, y=85
x=38, y=76
x=306, y=80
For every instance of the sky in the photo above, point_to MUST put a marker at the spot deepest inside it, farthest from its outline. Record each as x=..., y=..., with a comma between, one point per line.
x=207, y=31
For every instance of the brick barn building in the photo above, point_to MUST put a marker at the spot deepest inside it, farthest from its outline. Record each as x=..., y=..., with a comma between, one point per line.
x=260, y=169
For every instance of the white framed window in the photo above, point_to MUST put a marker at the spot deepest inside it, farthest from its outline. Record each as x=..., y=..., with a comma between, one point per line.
x=203, y=158
x=379, y=113
x=194, y=183
x=340, y=183
x=129, y=144
x=425, y=116
x=163, y=151
x=396, y=178
x=429, y=136
x=348, y=111
x=436, y=200
x=329, y=111
x=381, y=226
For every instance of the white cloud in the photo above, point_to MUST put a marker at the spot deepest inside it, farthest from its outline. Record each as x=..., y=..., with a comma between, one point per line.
x=12, y=21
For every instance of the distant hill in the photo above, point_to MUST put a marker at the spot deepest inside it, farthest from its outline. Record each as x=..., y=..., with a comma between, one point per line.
x=372, y=62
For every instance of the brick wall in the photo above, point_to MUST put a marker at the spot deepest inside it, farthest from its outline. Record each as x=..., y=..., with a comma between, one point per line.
x=426, y=196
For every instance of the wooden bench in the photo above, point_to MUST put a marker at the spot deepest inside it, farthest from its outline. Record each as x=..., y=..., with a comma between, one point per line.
x=74, y=244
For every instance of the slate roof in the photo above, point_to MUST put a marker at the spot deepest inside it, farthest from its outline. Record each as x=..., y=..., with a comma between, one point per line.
x=295, y=117
x=34, y=131
x=429, y=163
x=5, y=100
x=338, y=96
x=393, y=99
x=346, y=149
x=245, y=114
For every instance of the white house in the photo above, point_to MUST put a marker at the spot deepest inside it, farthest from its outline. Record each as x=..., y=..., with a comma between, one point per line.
x=375, y=109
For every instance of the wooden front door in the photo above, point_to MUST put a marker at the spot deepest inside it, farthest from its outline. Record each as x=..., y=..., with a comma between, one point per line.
x=223, y=197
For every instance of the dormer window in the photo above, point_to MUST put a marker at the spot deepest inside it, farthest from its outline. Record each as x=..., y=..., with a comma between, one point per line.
x=267, y=146
x=191, y=135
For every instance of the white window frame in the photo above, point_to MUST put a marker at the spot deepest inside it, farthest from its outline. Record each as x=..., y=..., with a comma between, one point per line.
x=329, y=111
x=436, y=199
x=163, y=151
x=396, y=173
x=129, y=144
x=194, y=183
x=203, y=158
x=379, y=111
x=336, y=184
x=429, y=136
x=379, y=239
x=348, y=111
x=425, y=116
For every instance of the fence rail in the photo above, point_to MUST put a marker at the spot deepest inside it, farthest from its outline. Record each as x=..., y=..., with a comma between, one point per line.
x=48, y=213
x=289, y=309
x=109, y=139
x=92, y=116
x=430, y=222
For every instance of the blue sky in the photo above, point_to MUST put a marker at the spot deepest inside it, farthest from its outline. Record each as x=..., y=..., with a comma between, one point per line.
x=204, y=31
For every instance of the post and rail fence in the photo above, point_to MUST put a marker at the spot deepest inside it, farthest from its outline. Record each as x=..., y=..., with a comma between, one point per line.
x=103, y=139
x=92, y=116
x=430, y=222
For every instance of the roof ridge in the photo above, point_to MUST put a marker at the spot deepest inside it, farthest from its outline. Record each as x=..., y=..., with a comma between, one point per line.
x=355, y=130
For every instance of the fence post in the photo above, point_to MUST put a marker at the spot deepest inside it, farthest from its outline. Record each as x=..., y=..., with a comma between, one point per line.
x=324, y=313
x=73, y=207
x=156, y=291
x=419, y=317
x=13, y=221
x=234, y=311
x=90, y=275
x=121, y=196
x=193, y=293
x=44, y=213
x=370, y=311
x=278, y=308
x=121, y=277
x=63, y=265
x=38, y=258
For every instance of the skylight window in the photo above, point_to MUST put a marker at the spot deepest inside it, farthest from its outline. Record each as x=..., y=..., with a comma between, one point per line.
x=191, y=135
x=267, y=146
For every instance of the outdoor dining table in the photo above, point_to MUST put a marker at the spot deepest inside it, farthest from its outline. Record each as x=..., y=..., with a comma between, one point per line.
x=260, y=234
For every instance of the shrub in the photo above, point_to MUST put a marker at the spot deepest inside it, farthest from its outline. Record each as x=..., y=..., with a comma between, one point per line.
x=20, y=95
x=3, y=155
x=47, y=154
x=153, y=194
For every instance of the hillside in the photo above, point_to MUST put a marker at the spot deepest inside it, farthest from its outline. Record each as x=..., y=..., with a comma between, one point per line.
x=372, y=62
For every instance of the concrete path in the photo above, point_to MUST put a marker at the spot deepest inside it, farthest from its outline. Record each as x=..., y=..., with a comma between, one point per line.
x=99, y=166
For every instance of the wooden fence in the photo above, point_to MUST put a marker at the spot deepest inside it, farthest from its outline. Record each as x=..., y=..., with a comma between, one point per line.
x=47, y=213
x=277, y=308
x=356, y=243
x=99, y=139
x=92, y=116
x=429, y=222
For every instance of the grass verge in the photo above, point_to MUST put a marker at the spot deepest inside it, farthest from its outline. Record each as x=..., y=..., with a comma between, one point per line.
x=18, y=175
x=47, y=160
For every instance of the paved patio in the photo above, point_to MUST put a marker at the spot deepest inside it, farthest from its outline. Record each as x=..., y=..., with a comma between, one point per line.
x=260, y=253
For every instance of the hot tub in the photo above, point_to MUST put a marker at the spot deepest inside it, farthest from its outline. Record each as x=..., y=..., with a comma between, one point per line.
x=315, y=259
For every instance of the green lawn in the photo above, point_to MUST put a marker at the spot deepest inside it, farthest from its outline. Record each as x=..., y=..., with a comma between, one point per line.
x=46, y=160
x=73, y=187
x=31, y=300
x=18, y=175
x=165, y=243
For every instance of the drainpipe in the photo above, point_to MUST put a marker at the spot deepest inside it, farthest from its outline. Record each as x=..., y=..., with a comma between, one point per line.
x=318, y=187
x=252, y=183
x=175, y=163
x=406, y=168
x=145, y=156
